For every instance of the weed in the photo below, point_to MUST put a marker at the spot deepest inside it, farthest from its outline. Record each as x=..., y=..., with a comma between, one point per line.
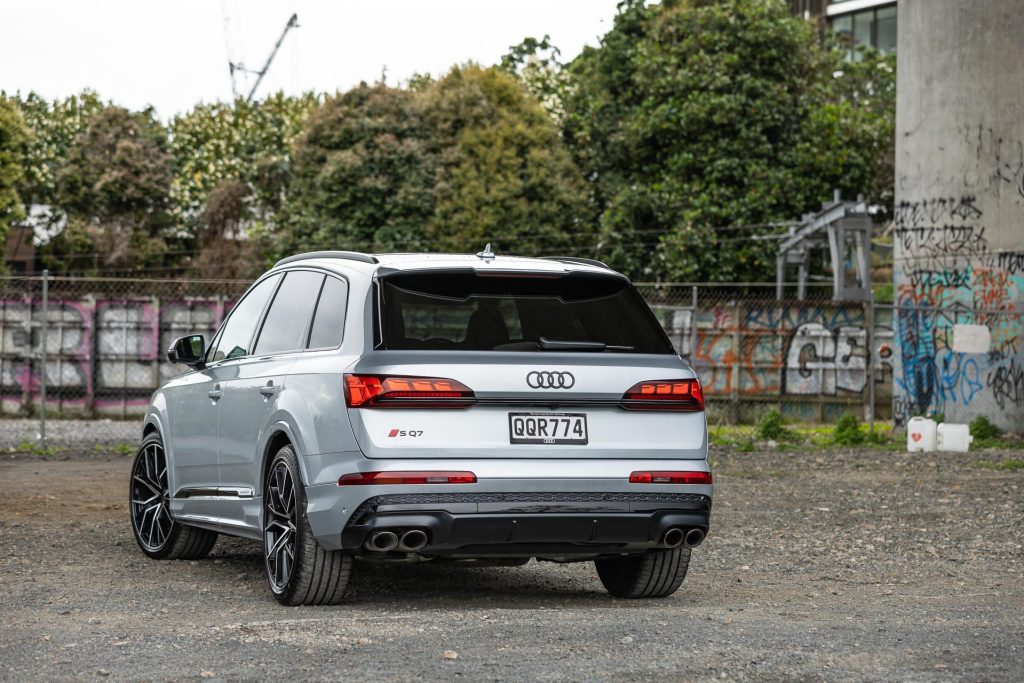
x=848, y=431
x=983, y=429
x=773, y=426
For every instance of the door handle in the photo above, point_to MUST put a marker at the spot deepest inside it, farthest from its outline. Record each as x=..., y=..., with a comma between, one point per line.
x=215, y=393
x=268, y=389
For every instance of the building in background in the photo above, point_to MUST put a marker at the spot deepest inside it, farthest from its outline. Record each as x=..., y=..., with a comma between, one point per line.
x=863, y=23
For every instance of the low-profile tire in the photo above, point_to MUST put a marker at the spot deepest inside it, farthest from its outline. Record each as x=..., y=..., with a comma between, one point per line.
x=655, y=574
x=149, y=504
x=300, y=571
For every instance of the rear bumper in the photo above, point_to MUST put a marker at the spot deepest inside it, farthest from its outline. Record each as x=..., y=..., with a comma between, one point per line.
x=530, y=524
x=581, y=506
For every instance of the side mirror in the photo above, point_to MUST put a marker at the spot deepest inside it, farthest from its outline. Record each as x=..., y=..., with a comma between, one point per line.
x=190, y=350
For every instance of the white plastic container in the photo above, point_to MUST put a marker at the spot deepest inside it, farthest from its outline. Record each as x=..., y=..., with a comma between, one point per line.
x=951, y=437
x=920, y=434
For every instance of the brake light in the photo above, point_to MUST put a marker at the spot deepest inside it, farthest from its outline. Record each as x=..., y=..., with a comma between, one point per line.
x=371, y=391
x=670, y=478
x=665, y=394
x=428, y=477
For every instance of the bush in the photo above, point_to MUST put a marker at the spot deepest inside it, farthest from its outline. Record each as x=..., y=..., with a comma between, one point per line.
x=773, y=426
x=848, y=431
x=982, y=428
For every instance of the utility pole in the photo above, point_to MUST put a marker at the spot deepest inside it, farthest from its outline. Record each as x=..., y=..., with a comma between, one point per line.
x=233, y=67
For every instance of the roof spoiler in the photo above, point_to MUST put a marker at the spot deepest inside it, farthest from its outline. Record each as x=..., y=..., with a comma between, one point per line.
x=347, y=255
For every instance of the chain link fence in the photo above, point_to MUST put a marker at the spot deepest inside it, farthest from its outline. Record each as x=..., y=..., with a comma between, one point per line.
x=104, y=342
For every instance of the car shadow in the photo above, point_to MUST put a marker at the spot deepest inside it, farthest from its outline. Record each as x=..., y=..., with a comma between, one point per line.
x=535, y=585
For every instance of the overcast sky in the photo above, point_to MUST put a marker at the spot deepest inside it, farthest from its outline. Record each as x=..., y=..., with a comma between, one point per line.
x=173, y=54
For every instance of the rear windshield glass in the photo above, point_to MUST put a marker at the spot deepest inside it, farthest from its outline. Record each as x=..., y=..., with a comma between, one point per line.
x=510, y=312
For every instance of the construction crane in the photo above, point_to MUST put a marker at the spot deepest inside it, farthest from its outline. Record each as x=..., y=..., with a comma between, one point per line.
x=236, y=67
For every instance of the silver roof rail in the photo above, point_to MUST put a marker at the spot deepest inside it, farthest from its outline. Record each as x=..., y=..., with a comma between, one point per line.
x=347, y=255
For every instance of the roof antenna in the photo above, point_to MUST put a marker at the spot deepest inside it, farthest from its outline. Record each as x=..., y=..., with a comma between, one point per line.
x=486, y=254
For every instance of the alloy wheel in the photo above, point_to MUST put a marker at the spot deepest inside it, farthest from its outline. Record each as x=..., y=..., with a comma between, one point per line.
x=151, y=514
x=279, y=526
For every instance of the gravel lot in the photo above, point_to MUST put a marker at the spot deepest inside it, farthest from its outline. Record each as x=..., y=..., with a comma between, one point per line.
x=855, y=565
x=64, y=434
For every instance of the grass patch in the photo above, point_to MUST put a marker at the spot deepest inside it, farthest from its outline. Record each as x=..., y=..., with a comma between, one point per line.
x=35, y=449
x=1012, y=465
x=116, y=449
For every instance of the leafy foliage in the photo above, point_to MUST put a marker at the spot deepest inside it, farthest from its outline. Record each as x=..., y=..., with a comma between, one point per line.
x=363, y=174
x=693, y=118
x=14, y=136
x=504, y=176
x=114, y=187
x=982, y=429
x=848, y=431
x=455, y=163
x=693, y=127
x=772, y=426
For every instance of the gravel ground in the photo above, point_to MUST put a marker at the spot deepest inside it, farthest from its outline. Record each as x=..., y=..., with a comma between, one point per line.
x=848, y=565
x=64, y=434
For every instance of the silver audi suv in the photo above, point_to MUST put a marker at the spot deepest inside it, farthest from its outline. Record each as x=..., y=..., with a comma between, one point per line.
x=444, y=408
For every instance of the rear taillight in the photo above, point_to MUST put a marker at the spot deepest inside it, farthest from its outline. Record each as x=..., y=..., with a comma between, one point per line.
x=665, y=394
x=380, y=391
x=428, y=477
x=666, y=477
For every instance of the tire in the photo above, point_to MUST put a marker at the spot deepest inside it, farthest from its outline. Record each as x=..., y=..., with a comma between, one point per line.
x=299, y=570
x=656, y=574
x=158, y=535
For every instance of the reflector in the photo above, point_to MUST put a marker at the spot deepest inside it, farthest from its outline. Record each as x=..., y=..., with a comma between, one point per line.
x=673, y=477
x=425, y=477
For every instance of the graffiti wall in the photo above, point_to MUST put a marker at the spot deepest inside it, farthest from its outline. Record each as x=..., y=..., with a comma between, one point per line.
x=958, y=275
x=810, y=360
x=104, y=357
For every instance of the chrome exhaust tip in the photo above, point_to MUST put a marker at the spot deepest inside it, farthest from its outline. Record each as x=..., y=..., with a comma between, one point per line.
x=694, y=537
x=673, y=538
x=381, y=541
x=412, y=540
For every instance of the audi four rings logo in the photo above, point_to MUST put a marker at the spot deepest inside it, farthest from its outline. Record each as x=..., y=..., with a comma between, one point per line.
x=543, y=379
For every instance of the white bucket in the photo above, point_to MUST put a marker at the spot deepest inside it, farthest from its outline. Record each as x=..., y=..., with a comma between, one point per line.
x=953, y=437
x=920, y=434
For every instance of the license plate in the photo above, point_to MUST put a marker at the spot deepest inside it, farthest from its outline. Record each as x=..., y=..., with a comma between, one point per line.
x=548, y=428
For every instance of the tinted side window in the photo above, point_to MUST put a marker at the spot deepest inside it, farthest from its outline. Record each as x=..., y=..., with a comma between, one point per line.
x=288, y=317
x=237, y=332
x=329, y=320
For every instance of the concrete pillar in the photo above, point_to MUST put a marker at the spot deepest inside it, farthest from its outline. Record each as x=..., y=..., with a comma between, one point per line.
x=959, y=252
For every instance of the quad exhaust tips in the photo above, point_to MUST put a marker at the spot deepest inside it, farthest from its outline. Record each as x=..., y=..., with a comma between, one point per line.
x=386, y=541
x=676, y=537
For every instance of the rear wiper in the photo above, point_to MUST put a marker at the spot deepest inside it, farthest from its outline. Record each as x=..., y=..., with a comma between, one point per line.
x=545, y=344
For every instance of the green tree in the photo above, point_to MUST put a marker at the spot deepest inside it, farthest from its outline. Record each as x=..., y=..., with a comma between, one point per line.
x=700, y=123
x=363, y=174
x=505, y=175
x=14, y=136
x=114, y=188
x=53, y=128
x=244, y=141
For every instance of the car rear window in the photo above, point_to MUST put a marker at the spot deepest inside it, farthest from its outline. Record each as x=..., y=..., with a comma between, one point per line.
x=517, y=312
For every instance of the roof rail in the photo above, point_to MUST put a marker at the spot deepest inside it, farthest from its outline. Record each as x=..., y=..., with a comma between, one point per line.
x=579, y=260
x=347, y=255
